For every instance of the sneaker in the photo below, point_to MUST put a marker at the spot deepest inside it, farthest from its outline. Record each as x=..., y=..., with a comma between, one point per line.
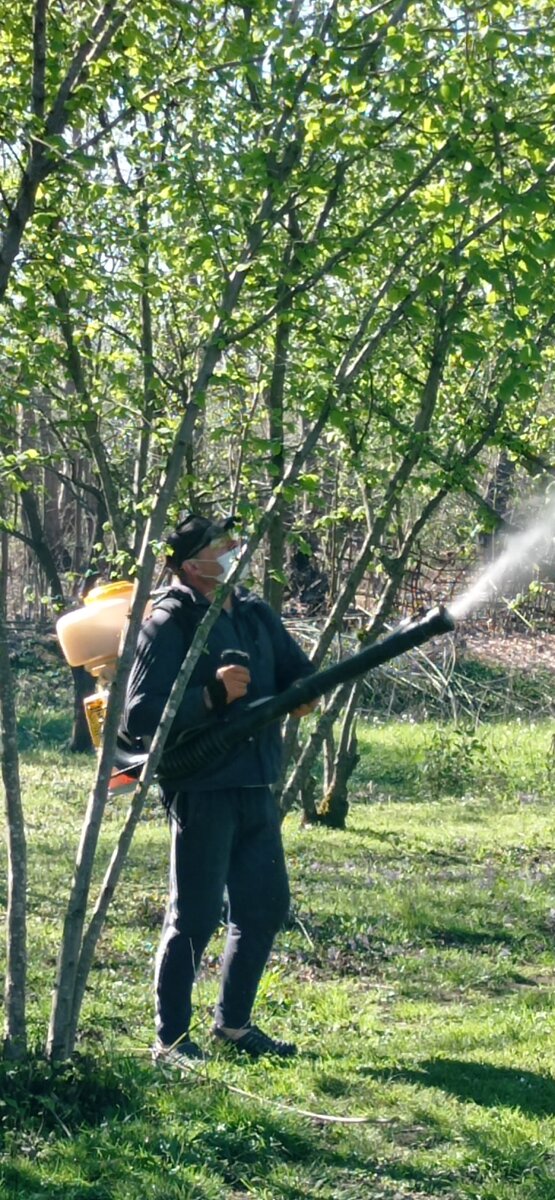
x=185, y=1054
x=256, y=1043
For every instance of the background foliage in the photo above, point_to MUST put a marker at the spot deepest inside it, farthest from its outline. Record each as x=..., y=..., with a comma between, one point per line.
x=289, y=260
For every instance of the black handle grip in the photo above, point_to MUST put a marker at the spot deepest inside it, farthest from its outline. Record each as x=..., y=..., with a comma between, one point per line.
x=235, y=658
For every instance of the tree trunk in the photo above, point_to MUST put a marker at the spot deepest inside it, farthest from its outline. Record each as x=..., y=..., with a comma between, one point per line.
x=274, y=562
x=303, y=769
x=40, y=546
x=15, y=1035
x=329, y=759
x=83, y=685
x=69, y=985
x=421, y=425
x=498, y=498
x=308, y=801
x=149, y=388
x=335, y=803
x=66, y=999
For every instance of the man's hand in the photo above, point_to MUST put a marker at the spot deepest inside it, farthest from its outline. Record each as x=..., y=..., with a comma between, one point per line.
x=304, y=709
x=235, y=680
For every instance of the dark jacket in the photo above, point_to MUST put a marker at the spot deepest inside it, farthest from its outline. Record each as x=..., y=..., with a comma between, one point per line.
x=275, y=661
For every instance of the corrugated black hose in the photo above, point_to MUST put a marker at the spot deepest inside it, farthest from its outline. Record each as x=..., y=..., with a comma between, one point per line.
x=205, y=747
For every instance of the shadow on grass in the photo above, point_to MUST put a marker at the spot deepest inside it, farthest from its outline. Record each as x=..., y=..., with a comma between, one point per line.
x=349, y=939
x=20, y=1182
x=87, y=1121
x=460, y=936
x=88, y=1118
x=480, y=1083
x=77, y=1096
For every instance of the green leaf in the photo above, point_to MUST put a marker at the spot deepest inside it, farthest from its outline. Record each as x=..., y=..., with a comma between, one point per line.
x=309, y=483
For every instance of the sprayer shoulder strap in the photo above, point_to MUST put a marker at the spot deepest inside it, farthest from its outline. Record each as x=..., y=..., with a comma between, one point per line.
x=182, y=609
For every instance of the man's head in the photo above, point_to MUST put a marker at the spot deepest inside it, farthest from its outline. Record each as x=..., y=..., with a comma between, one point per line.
x=194, y=549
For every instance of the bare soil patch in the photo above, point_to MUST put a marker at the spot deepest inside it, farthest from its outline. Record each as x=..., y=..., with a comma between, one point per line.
x=515, y=651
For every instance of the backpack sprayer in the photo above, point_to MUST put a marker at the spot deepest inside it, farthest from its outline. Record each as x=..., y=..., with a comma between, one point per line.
x=200, y=748
x=90, y=637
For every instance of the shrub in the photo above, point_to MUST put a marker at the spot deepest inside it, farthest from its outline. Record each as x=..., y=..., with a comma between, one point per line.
x=452, y=760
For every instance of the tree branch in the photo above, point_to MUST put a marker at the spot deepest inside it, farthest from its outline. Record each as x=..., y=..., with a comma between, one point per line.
x=41, y=161
x=39, y=58
x=102, y=33
x=91, y=420
x=350, y=244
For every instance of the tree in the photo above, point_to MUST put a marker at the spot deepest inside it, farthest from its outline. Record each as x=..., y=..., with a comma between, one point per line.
x=15, y=1039
x=266, y=246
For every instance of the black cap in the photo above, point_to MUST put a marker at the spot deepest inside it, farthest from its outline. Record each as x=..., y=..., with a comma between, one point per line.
x=193, y=534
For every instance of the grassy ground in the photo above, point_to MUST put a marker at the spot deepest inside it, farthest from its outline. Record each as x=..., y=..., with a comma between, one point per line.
x=417, y=976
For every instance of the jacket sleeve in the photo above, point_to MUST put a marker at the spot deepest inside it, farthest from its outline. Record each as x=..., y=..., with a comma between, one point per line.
x=161, y=649
x=291, y=662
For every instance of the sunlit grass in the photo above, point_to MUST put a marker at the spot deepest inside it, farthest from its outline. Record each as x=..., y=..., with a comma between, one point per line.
x=417, y=974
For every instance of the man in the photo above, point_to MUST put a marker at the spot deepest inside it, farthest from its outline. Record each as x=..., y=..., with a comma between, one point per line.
x=225, y=829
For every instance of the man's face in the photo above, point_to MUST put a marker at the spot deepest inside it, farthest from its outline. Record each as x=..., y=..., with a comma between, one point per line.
x=205, y=566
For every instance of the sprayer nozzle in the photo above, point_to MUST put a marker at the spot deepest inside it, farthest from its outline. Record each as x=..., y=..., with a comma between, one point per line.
x=445, y=619
x=435, y=620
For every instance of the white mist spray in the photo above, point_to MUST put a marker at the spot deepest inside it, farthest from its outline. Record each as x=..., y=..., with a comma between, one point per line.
x=517, y=561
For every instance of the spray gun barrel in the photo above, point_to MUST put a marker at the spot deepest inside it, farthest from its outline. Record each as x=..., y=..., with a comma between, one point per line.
x=193, y=753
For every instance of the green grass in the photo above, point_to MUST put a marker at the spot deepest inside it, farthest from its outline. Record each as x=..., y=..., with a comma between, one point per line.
x=417, y=975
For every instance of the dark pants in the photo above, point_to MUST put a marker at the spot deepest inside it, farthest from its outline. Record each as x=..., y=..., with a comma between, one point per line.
x=220, y=838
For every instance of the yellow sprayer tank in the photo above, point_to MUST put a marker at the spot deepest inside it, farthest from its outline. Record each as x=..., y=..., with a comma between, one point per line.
x=90, y=636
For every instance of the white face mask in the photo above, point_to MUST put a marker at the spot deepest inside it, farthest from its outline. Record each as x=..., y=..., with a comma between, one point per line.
x=227, y=560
